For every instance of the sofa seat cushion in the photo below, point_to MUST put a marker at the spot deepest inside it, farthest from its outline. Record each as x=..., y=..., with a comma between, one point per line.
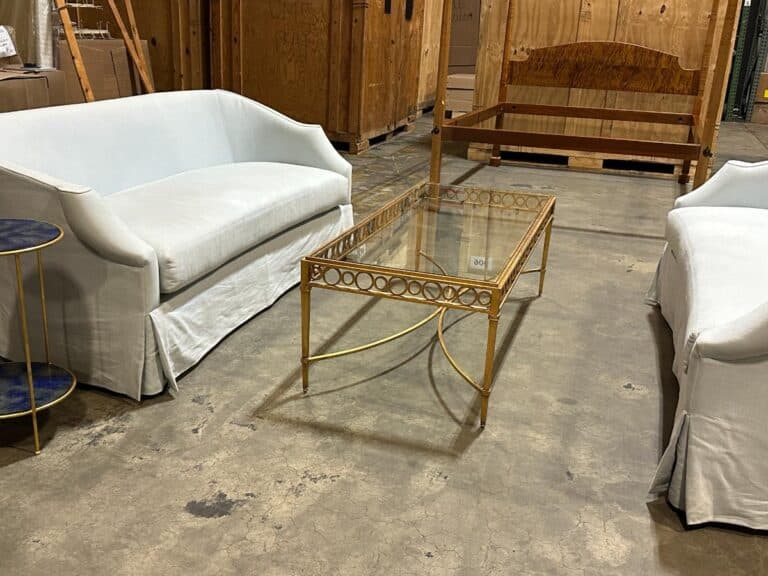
x=723, y=252
x=198, y=220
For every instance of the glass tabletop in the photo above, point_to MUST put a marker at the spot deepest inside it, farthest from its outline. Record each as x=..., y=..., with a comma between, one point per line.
x=454, y=231
x=22, y=235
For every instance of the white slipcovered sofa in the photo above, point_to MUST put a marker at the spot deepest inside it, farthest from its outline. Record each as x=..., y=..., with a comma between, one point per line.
x=184, y=214
x=712, y=287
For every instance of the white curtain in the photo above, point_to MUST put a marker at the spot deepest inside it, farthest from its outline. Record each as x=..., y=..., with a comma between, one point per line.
x=32, y=21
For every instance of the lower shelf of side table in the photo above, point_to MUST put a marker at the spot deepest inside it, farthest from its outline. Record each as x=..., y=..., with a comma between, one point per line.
x=52, y=385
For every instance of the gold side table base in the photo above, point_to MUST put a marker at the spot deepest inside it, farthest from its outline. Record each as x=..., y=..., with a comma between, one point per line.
x=18, y=237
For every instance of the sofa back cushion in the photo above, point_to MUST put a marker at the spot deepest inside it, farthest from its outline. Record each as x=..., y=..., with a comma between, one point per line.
x=112, y=145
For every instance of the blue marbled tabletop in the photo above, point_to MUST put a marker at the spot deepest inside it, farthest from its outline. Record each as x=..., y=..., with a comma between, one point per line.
x=17, y=235
x=51, y=384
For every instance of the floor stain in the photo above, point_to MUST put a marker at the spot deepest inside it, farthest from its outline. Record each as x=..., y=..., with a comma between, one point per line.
x=216, y=507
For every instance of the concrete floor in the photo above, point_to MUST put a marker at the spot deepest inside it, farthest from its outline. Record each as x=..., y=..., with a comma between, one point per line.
x=381, y=470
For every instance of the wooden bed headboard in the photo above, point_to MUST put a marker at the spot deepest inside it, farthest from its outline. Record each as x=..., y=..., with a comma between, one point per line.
x=604, y=66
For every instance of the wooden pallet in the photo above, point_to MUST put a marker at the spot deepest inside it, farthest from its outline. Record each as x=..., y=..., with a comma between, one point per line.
x=582, y=161
x=424, y=108
x=347, y=144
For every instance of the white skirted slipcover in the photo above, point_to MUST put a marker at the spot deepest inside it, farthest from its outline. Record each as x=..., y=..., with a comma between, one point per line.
x=712, y=288
x=184, y=215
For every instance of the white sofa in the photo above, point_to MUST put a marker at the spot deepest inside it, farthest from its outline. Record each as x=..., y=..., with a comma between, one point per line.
x=184, y=213
x=712, y=287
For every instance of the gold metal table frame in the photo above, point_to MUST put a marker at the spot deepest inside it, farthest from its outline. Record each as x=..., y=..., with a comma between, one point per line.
x=329, y=268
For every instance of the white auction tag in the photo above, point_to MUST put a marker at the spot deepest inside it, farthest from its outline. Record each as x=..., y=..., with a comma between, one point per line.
x=7, y=48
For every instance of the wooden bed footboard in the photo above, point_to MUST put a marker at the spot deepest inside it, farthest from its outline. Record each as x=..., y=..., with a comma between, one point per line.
x=612, y=66
x=604, y=66
x=601, y=66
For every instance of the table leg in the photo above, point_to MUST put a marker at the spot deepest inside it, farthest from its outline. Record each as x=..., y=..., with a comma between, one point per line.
x=490, y=352
x=545, y=256
x=27, y=357
x=43, y=307
x=305, y=315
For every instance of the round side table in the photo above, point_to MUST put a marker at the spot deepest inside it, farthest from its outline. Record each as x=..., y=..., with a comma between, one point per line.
x=29, y=387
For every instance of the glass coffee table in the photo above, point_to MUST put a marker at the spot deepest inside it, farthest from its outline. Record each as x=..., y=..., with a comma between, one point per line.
x=449, y=247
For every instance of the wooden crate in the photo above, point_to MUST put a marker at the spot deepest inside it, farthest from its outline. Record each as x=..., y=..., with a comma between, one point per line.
x=675, y=26
x=352, y=67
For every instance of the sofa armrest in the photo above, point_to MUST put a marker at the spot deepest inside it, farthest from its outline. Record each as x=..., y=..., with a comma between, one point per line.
x=85, y=212
x=738, y=184
x=742, y=339
x=259, y=134
x=96, y=226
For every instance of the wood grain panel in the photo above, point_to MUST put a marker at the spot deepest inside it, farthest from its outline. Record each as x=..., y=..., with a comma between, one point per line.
x=675, y=26
x=379, y=95
x=597, y=22
x=604, y=66
x=537, y=24
x=405, y=79
x=430, y=50
x=285, y=64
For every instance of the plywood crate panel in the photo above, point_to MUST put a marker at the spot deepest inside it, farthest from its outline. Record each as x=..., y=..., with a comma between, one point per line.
x=430, y=51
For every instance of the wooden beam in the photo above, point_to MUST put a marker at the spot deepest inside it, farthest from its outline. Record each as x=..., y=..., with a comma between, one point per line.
x=716, y=92
x=131, y=47
x=504, y=79
x=137, y=39
x=194, y=50
x=600, y=113
x=436, y=159
x=564, y=142
x=217, y=44
x=474, y=118
x=74, y=50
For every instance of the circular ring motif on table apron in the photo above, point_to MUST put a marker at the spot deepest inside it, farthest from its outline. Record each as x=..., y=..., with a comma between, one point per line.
x=397, y=285
x=364, y=281
x=468, y=297
x=381, y=283
x=414, y=288
x=331, y=276
x=431, y=291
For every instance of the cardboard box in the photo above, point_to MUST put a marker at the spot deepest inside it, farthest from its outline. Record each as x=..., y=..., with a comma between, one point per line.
x=109, y=68
x=23, y=89
x=461, y=82
x=465, y=36
x=760, y=113
x=460, y=94
x=762, y=88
